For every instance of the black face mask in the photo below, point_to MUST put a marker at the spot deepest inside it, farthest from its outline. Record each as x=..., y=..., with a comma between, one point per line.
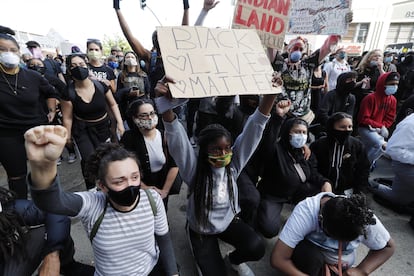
x=79, y=73
x=125, y=197
x=339, y=135
x=39, y=69
x=349, y=86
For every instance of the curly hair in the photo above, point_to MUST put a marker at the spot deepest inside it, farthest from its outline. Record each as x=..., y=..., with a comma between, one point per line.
x=203, y=188
x=12, y=230
x=96, y=166
x=345, y=218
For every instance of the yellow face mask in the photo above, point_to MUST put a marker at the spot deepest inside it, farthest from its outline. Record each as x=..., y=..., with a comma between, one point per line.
x=220, y=161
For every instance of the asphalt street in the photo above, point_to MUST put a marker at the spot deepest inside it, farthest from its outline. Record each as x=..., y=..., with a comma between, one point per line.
x=401, y=262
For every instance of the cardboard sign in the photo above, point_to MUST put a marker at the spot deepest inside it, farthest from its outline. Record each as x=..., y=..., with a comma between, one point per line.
x=268, y=17
x=208, y=62
x=318, y=17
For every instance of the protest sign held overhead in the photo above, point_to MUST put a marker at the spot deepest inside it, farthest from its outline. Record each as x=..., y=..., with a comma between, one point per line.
x=319, y=17
x=268, y=17
x=214, y=62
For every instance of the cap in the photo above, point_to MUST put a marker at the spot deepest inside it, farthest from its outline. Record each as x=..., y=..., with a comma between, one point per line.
x=75, y=49
x=32, y=44
x=393, y=76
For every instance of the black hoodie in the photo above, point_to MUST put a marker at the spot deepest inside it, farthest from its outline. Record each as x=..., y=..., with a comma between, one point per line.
x=337, y=100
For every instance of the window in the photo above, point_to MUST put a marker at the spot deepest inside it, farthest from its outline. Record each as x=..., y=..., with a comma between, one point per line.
x=357, y=32
x=361, y=33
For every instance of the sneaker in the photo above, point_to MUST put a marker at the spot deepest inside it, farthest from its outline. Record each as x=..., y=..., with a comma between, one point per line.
x=72, y=158
x=242, y=269
x=192, y=141
x=59, y=161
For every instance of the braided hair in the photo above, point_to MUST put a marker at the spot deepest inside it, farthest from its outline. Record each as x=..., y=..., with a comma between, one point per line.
x=12, y=230
x=346, y=218
x=203, y=188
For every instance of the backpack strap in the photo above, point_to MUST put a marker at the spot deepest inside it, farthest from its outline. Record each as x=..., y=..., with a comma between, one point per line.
x=98, y=223
x=152, y=202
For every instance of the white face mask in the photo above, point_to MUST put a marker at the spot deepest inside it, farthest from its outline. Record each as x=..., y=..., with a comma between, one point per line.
x=298, y=140
x=131, y=62
x=146, y=123
x=9, y=60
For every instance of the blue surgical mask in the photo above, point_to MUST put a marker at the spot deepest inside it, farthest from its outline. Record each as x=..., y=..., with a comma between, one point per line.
x=342, y=55
x=390, y=89
x=298, y=140
x=295, y=56
x=113, y=64
x=387, y=59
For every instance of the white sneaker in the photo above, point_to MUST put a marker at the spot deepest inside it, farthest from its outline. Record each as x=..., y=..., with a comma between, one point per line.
x=72, y=158
x=242, y=269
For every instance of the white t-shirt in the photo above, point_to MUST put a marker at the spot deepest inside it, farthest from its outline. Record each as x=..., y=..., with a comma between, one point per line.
x=303, y=224
x=155, y=152
x=334, y=69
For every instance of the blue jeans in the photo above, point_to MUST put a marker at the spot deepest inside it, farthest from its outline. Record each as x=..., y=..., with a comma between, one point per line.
x=373, y=143
x=402, y=190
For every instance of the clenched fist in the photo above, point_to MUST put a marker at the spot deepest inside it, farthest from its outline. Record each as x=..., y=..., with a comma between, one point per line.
x=44, y=144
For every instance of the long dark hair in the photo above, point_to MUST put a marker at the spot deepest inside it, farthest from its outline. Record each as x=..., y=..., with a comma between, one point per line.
x=203, y=187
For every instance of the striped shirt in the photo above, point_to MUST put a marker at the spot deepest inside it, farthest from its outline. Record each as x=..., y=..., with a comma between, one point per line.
x=124, y=243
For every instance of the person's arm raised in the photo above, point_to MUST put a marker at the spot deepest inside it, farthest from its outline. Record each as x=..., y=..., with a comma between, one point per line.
x=267, y=102
x=133, y=41
x=208, y=5
x=44, y=145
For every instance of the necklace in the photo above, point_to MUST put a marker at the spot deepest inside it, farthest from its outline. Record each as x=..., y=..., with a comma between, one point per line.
x=8, y=83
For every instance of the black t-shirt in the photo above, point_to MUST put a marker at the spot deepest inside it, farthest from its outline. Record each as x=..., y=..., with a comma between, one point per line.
x=24, y=109
x=102, y=72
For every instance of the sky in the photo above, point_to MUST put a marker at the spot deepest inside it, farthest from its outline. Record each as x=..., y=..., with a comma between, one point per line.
x=78, y=20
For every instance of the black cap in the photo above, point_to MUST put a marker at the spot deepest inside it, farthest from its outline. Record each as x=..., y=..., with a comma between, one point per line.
x=393, y=76
x=32, y=44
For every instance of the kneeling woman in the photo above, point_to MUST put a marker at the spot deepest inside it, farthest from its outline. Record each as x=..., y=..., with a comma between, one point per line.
x=127, y=226
x=323, y=233
x=213, y=205
x=288, y=176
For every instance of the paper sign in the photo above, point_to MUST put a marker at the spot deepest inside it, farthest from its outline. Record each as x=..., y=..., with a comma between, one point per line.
x=318, y=17
x=208, y=62
x=269, y=18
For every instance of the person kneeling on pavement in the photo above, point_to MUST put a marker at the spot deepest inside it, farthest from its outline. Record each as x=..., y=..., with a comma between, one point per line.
x=23, y=245
x=323, y=233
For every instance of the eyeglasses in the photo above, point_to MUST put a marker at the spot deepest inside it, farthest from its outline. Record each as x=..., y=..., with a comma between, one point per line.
x=147, y=115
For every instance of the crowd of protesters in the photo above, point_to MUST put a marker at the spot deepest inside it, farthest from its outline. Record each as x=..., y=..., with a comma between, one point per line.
x=243, y=158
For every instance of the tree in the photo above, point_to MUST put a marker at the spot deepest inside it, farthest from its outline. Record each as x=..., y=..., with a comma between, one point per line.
x=119, y=41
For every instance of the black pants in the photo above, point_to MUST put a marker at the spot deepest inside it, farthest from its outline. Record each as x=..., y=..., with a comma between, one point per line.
x=249, y=246
x=192, y=107
x=14, y=160
x=308, y=258
x=88, y=137
x=249, y=198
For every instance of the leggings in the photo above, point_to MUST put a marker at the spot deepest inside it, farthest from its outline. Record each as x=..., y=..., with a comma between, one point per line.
x=88, y=137
x=249, y=246
x=14, y=160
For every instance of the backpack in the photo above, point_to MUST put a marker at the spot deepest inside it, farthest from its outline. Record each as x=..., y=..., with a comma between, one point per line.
x=102, y=88
x=98, y=222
